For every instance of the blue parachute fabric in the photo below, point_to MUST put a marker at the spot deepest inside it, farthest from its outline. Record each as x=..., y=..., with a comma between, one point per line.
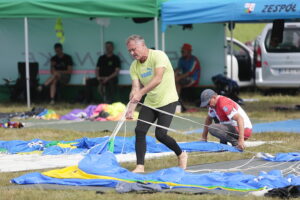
x=282, y=157
x=127, y=145
x=106, y=165
x=206, y=146
x=87, y=143
x=38, y=178
x=45, y=111
x=93, y=145
x=56, y=150
x=292, y=126
x=18, y=146
x=99, y=145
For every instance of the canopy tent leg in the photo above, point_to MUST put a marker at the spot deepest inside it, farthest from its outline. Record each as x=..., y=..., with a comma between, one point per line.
x=163, y=42
x=102, y=40
x=231, y=49
x=225, y=51
x=27, y=61
x=156, y=32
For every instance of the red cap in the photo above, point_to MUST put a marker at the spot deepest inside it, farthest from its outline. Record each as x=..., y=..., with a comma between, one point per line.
x=187, y=47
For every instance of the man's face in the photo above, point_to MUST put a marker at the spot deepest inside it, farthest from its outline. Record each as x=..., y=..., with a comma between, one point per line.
x=212, y=102
x=58, y=50
x=185, y=52
x=136, y=49
x=109, y=48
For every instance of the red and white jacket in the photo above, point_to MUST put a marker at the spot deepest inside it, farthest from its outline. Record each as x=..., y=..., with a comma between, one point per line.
x=224, y=111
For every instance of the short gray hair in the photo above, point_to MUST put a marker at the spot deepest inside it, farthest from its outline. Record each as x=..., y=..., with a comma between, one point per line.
x=136, y=38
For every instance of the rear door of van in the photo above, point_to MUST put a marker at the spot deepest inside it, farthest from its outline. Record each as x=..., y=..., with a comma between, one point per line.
x=281, y=60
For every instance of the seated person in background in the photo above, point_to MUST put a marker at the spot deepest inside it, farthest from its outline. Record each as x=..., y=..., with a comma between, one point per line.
x=187, y=73
x=107, y=70
x=61, y=70
x=231, y=122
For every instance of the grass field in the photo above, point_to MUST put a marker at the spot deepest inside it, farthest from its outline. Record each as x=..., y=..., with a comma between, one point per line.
x=246, y=32
x=263, y=110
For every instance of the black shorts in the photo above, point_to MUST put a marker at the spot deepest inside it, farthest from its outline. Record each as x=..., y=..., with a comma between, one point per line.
x=64, y=78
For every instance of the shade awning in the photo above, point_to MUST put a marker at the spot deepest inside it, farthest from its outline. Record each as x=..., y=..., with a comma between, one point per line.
x=77, y=8
x=204, y=11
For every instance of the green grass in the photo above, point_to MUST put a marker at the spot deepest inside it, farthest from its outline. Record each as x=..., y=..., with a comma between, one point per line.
x=246, y=32
x=262, y=110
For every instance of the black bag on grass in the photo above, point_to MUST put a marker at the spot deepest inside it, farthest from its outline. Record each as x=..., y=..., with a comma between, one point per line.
x=227, y=87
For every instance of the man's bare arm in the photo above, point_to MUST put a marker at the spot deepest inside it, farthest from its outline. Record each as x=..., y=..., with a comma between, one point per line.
x=207, y=122
x=136, y=86
x=240, y=122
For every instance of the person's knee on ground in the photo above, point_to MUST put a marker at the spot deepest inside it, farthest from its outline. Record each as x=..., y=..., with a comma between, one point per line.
x=214, y=131
x=217, y=132
x=223, y=141
x=224, y=137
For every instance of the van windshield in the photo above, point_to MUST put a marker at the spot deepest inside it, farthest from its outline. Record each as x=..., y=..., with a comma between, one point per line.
x=290, y=41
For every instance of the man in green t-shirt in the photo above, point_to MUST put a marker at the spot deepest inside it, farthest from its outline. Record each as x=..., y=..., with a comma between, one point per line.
x=152, y=74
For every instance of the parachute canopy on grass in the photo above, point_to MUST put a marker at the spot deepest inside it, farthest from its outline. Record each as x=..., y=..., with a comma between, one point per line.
x=104, y=170
x=98, y=145
x=78, y=8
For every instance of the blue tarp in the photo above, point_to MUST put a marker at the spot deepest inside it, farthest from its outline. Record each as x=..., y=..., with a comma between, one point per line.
x=283, y=157
x=94, y=146
x=107, y=166
x=292, y=126
x=208, y=11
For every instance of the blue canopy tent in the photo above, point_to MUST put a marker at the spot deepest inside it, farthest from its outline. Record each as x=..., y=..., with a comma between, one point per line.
x=209, y=11
x=212, y=11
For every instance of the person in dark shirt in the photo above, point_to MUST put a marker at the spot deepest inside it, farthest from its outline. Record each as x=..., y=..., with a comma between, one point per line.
x=107, y=70
x=61, y=70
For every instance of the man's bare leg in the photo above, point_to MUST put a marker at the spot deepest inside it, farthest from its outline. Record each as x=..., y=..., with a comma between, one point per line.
x=49, y=80
x=182, y=160
x=53, y=89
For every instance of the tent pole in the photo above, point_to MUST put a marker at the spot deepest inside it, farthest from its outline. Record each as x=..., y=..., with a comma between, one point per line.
x=231, y=49
x=156, y=32
x=226, y=70
x=102, y=39
x=27, y=60
x=163, y=42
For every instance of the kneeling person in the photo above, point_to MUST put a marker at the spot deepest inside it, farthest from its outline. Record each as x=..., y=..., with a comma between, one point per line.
x=232, y=123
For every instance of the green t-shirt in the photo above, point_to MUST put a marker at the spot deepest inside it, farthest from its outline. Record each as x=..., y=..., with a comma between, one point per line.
x=164, y=93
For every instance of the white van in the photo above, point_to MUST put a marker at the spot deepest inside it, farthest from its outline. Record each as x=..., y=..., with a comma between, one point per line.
x=277, y=65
